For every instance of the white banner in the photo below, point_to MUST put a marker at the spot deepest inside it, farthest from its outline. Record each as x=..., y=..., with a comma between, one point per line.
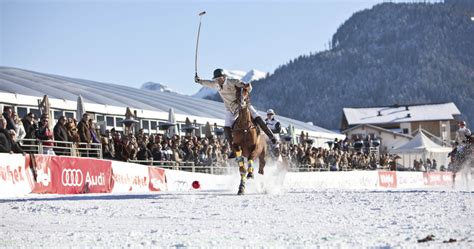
x=129, y=177
x=13, y=180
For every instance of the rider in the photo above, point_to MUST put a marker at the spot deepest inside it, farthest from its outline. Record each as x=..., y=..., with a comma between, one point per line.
x=272, y=123
x=227, y=89
x=463, y=133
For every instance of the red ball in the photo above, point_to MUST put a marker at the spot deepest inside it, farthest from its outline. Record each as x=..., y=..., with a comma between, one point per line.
x=196, y=185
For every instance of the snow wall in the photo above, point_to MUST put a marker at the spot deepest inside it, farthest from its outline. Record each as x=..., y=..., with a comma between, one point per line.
x=44, y=174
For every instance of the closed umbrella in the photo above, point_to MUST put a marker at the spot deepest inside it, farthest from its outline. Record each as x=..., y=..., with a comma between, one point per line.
x=81, y=109
x=45, y=106
x=171, y=120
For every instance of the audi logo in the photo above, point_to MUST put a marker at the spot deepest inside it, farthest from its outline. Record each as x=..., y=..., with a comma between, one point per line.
x=72, y=177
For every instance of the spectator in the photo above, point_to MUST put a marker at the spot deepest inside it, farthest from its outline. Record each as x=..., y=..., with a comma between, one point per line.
x=108, y=150
x=157, y=152
x=144, y=153
x=60, y=130
x=84, y=129
x=7, y=145
x=7, y=115
x=30, y=125
x=61, y=135
x=118, y=146
x=45, y=135
x=94, y=135
x=19, y=128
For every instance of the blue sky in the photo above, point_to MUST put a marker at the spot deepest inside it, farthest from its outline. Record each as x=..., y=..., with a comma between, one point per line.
x=132, y=42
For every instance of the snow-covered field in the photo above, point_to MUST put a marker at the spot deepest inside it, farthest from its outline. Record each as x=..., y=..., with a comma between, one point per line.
x=327, y=218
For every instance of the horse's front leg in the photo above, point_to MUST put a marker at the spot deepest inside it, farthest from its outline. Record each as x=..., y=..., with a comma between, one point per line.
x=242, y=170
x=250, y=169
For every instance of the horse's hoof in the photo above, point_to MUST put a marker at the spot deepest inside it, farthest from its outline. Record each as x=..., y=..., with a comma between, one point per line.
x=260, y=171
x=241, y=191
x=250, y=175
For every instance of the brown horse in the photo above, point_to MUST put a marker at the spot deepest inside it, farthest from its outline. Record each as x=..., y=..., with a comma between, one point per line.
x=247, y=141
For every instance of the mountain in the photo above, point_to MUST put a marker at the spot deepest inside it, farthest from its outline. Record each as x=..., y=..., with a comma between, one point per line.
x=211, y=94
x=393, y=53
x=153, y=86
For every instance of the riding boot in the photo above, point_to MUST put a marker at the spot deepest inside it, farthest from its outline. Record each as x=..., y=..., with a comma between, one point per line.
x=265, y=129
x=228, y=137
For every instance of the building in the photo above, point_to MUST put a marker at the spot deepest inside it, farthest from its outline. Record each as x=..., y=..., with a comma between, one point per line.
x=388, y=139
x=439, y=120
x=108, y=102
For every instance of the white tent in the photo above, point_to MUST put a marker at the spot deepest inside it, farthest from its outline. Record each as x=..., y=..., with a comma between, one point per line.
x=421, y=147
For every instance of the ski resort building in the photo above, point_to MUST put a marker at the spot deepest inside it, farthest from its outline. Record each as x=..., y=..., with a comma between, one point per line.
x=107, y=103
x=439, y=121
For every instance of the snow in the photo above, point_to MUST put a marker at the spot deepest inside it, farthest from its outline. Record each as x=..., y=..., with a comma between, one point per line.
x=267, y=216
x=153, y=86
x=204, y=92
x=221, y=219
x=253, y=75
x=444, y=111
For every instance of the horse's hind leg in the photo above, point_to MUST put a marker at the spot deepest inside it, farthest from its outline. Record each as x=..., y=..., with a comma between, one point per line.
x=261, y=162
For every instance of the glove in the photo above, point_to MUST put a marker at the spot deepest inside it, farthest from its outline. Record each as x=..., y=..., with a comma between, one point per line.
x=197, y=79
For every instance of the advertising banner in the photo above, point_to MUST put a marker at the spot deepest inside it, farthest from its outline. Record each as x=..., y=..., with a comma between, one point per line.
x=13, y=179
x=70, y=175
x=437, y=178
x=157, y=179
x=388, y=179
x=129, y=177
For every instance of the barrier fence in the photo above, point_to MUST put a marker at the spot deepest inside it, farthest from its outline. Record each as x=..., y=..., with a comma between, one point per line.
x=61, y=148
x=188, y=166
x=49, y=174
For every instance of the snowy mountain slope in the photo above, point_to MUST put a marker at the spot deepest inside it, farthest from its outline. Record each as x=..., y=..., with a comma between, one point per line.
x=153, y=86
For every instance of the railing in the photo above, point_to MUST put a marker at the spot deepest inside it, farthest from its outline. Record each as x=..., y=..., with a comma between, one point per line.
x=62, y=148
x=310, y=168
x=188, y=166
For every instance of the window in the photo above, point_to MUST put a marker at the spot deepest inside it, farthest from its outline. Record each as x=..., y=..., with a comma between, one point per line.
x=99, y=118
x=153, y=125
x=36, y=112
x=110, y=121
x=117, y=122
x=69, y=114
x=145, y=124
x=405, y=131
x=57, y=114
x=21, y=112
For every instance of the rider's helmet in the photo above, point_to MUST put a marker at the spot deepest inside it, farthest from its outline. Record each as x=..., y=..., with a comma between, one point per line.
x=462, y=123
x=270, y=112
x=219, y=73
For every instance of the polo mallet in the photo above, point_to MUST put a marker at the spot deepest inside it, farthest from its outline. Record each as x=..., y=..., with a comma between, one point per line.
x=197, y=43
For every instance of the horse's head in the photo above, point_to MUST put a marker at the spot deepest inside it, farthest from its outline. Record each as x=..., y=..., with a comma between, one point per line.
x=244, y=120
x=244, y=97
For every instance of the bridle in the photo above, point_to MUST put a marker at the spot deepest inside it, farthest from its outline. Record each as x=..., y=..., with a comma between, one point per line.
x=244, y=103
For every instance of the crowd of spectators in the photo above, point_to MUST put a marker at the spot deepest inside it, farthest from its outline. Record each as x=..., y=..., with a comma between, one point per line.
x=161, y=148
x=341, y=154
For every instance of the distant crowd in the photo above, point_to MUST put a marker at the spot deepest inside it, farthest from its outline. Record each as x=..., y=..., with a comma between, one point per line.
x=341, y=154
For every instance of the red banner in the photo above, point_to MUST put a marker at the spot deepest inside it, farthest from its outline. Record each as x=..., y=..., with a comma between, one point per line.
x=388, y=179
x=157, y=179
x=70, y=175
x=39, y=174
